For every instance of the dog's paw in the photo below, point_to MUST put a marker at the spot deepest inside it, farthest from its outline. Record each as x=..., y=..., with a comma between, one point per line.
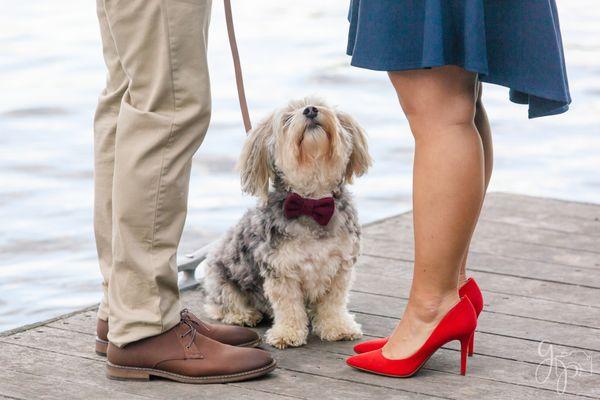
x=283, y=336
x=242, y=318
x=332, y=330
x=213, y=311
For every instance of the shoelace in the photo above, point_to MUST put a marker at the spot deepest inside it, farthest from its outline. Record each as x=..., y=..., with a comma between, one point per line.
x=185, y=319
x=185, y=313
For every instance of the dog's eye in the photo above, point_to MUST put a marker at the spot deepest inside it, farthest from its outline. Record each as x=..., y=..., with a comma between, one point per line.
x=287, y=119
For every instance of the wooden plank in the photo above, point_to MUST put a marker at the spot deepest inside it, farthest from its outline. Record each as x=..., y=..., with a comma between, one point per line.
x=441, y=377
x=526, y=287
x=535, y=259
x=537, y=270
x=493, y=368
x=543, y=220
x=316, y=386
x=63, y=369
x=504, y=230
x=528, y=328
x=315, y=361
x=47, y=321
x=499, y=342
x=536, y=205
x=379, y=320
x=374, y=275
x=398, y=233
x=489, y=345
x=194, y=299
x=494, y=263
x=526, y=251
x=495, y=345
x=76, y=346
x=531, y=330
x=20, y=385
x=495, y=230
x=82, y=323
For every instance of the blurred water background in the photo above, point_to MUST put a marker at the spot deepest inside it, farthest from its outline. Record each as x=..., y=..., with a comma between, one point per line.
x=51, y=72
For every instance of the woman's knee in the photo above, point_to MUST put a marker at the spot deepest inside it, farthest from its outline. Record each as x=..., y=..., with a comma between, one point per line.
x=449, y=111
x=443, y=116
x=434, y=99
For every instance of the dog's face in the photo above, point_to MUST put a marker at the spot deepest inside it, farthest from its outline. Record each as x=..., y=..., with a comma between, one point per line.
x=313, y=147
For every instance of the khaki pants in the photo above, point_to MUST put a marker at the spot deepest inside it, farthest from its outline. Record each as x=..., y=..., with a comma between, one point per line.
x=150, y=120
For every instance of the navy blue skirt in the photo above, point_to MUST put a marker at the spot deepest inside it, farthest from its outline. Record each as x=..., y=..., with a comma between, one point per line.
x=514, y=43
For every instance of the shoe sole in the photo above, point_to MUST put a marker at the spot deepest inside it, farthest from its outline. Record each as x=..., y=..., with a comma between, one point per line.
x=392, y=375
x=122, y=373
x=102, y=345
x=388, y=375
x=253, y=343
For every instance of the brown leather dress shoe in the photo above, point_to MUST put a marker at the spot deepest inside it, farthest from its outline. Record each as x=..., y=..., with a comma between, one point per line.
x=182, y=354
x=101, y=337
x=227, y=334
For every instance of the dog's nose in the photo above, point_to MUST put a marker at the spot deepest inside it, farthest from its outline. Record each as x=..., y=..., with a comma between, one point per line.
x=310, y=112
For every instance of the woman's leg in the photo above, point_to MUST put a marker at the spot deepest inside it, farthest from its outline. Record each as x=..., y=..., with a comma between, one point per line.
x=448, y=189
x=485, y=131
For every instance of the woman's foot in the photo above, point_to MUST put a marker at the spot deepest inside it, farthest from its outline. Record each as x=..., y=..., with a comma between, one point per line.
x=422, y=314
x=469, y=289
x=457, y=324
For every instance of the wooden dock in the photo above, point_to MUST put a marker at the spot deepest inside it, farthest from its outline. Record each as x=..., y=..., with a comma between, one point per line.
x=537, y=261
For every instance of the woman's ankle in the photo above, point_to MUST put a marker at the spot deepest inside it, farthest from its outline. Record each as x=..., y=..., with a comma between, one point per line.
x=428, y=307
x=462, y=278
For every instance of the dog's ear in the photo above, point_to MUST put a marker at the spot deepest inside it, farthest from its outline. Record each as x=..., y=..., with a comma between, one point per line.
x=360, y=160
x=254, y=161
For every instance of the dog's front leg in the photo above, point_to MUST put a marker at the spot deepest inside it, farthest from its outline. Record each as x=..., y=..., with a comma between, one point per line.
x=331, y=320
x=290, y=325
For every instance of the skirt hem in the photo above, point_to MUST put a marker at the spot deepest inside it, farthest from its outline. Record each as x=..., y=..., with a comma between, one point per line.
x=479, y=69
x=405, y=66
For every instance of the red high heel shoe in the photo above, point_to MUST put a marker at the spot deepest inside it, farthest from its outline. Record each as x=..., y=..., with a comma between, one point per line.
x=470, y=289
x=458, y=324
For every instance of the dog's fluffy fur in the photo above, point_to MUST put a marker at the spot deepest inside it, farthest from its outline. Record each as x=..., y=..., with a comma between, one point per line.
x=292, y=270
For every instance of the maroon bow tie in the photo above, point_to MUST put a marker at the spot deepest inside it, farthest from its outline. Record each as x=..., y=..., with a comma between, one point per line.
x=321, y=210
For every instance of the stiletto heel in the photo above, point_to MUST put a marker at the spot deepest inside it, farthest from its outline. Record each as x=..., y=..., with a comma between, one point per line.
x=470, y=289
x=471, y=344
x=464, y=346
x=458, y=324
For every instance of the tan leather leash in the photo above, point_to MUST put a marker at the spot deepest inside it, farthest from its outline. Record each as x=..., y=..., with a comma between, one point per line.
x=239, y=81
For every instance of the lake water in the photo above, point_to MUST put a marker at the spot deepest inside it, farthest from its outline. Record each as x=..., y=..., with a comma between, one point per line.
x=51, y=72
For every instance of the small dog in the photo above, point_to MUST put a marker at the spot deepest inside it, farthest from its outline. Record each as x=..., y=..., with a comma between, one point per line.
x=291, y=257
